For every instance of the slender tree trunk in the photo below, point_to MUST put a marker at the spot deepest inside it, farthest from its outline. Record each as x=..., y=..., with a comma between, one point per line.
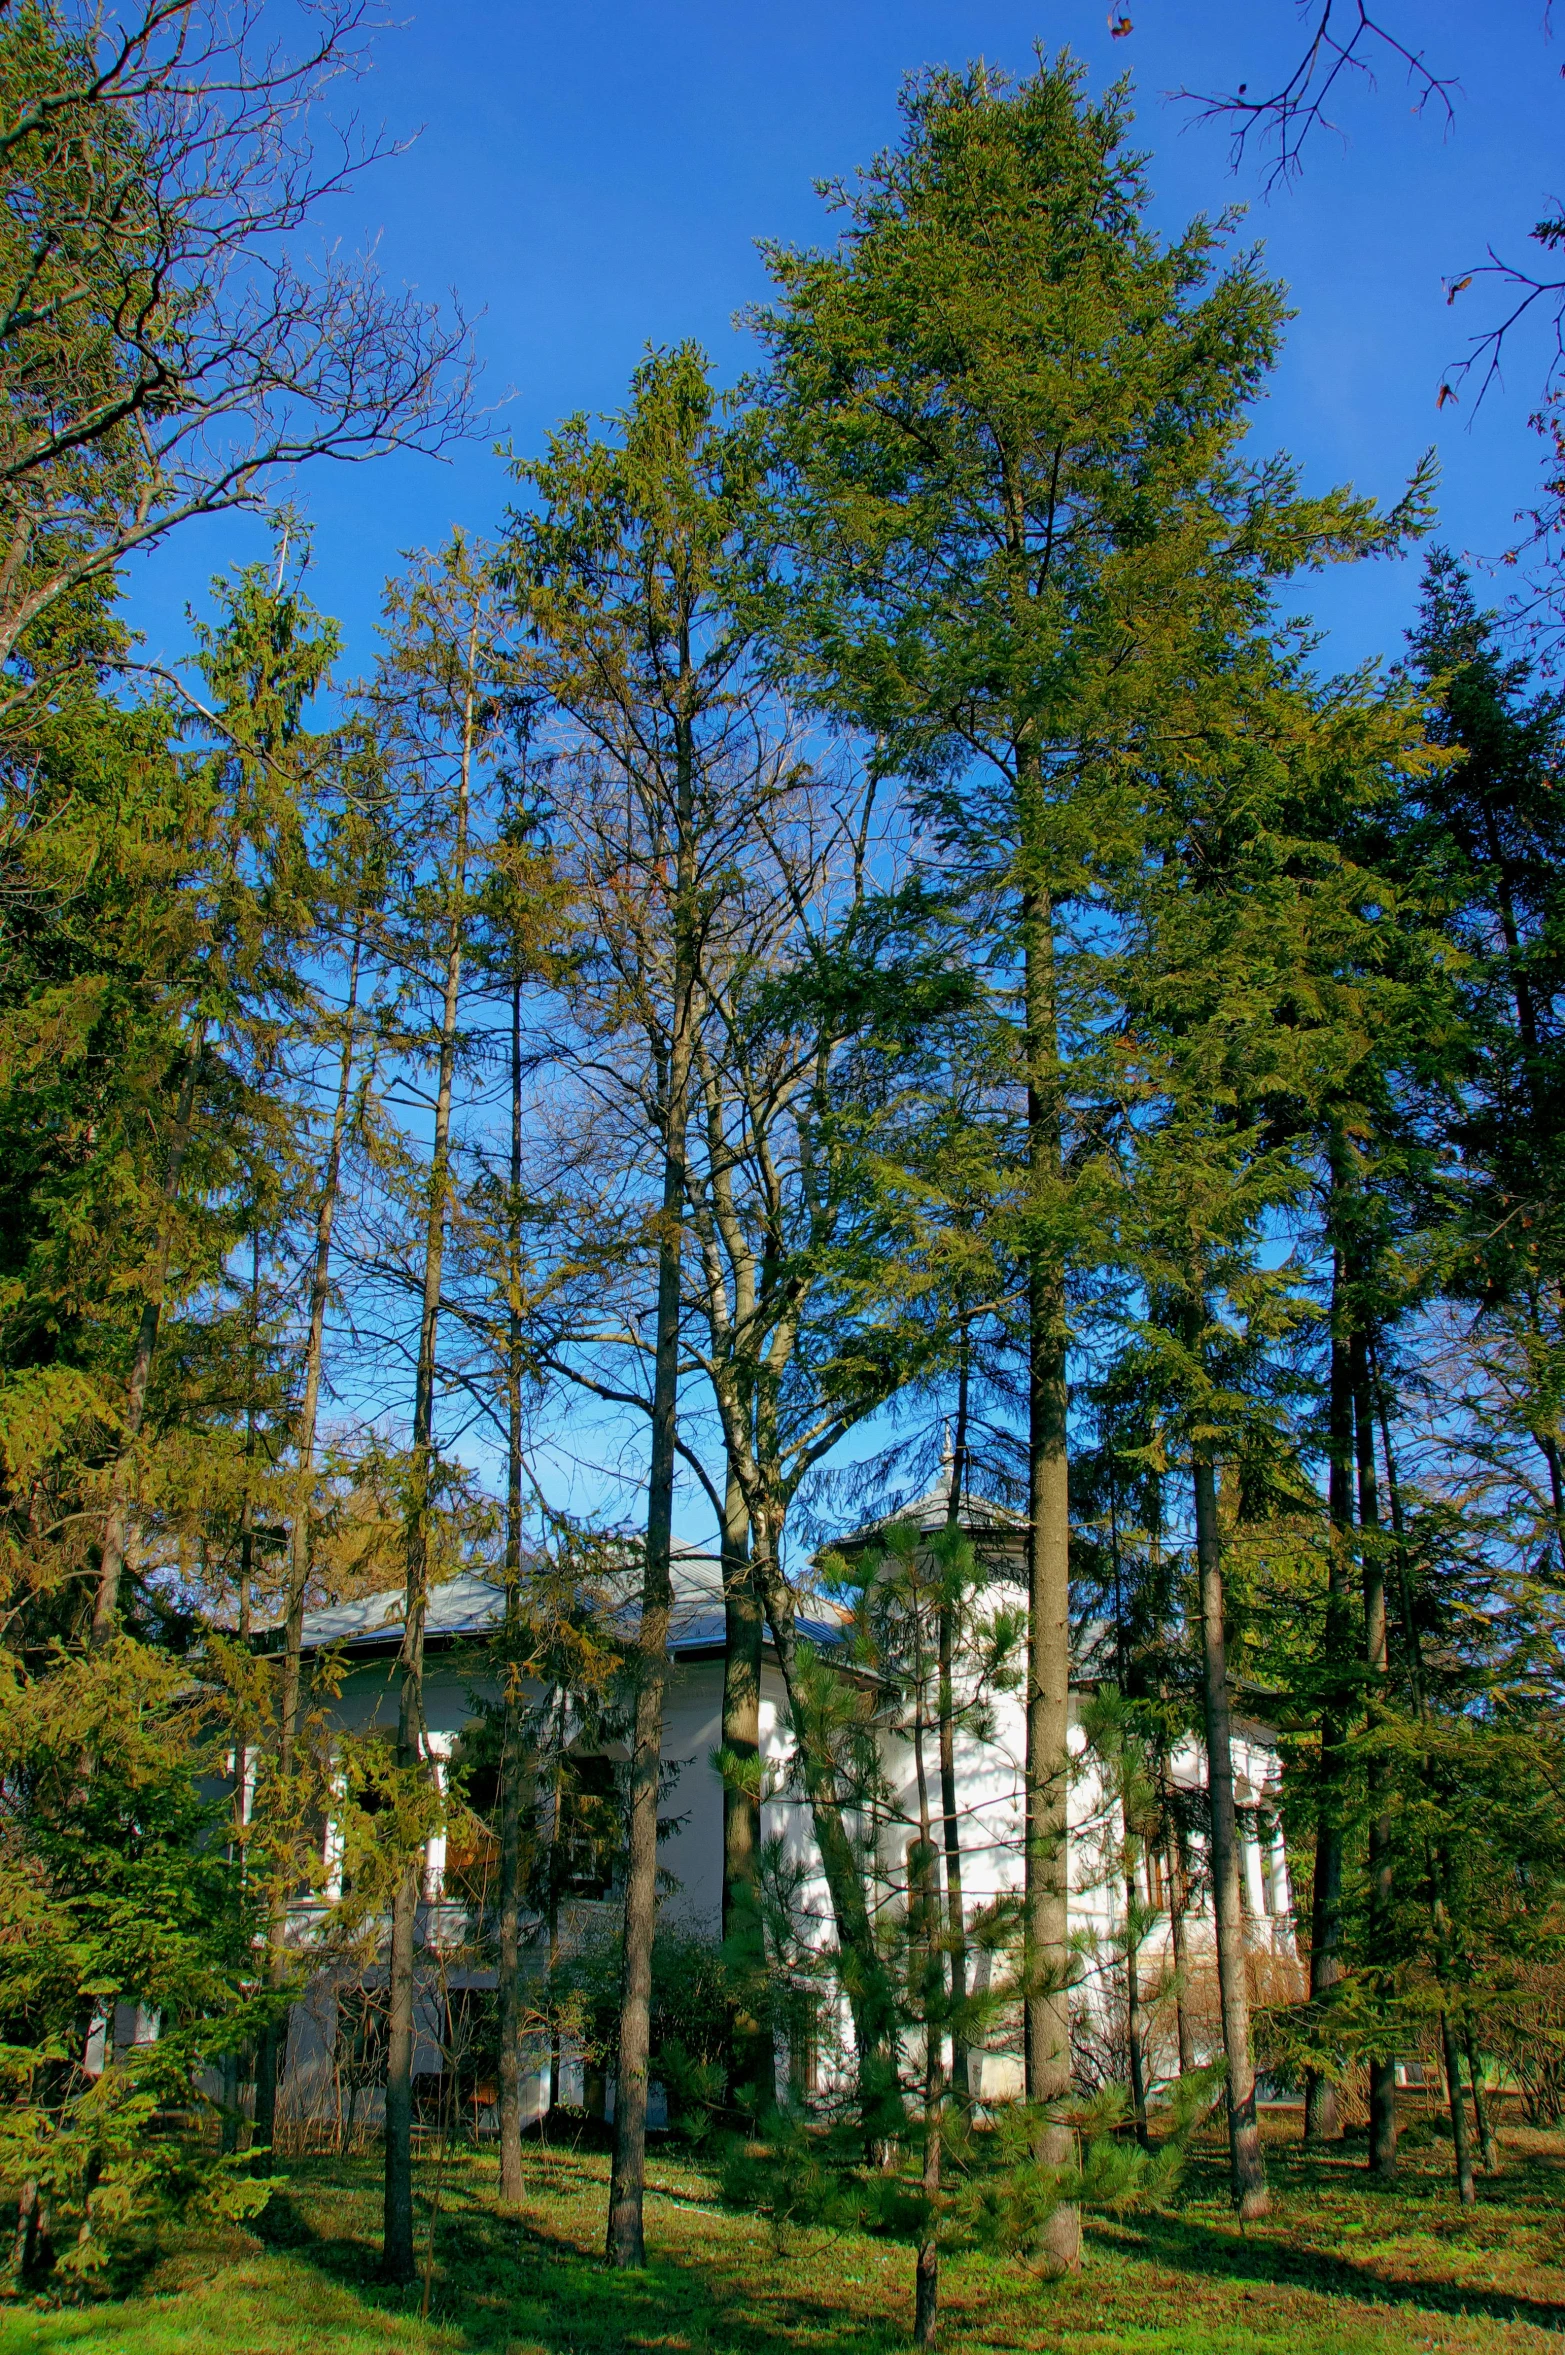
x=117, y=1527
x=314, y=1352
x=870, y=1997
x=1461, y=2148
x=951, y=1821
x=1413, y=1649
x=1178, y=1896
x=512, y=1731
x=397, y=2254
x=397, y=2261
x=1486, y=2142
x=743, y=1631
x=1244, y=2133
x=230, y=2134
x=24, y=2243
x=924, y=1943
x=625, y=2243
x=1382, y=2066
x=269, y=2051
x=1046, y=1900
x=1133, y=2031
x=1320, y=2094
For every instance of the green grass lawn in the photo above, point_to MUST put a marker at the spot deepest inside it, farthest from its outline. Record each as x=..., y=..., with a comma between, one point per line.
x=1340, y=2268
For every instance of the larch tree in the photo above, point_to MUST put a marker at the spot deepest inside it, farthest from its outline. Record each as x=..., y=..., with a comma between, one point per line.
x=619, y=568
x=1009, y=420
x=435, y=709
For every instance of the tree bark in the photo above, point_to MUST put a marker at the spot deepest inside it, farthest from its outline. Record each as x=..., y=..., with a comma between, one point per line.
x=1382, y=2066
x=512, y=1732
x=625, y=2243
x=1321, y=2122
x=743, y=1631
x=1247, y=2165
x=397, y=2257
x=1046, y=1901
x=951, y=1822
x=870, y=1998
x=1486, y=2142
x=924, y=1955
x=1178, y=1892
x=1461, y=2147
x=1138, y=2081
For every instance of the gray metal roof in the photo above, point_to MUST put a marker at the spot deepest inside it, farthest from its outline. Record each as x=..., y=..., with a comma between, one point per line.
x=469, y=1605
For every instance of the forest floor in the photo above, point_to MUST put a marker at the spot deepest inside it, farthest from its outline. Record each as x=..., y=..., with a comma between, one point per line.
x=1341, y=2267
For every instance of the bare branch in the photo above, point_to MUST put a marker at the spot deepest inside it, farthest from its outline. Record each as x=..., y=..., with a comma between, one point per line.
x=166, y=351
x=1344, y=40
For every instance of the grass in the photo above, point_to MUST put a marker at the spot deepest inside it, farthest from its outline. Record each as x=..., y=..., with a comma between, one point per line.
x=1341, y=2267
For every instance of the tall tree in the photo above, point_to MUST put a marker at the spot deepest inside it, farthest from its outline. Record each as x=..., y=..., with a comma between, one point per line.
x=248, y=860
x=1009, y=417
x=619, y=569
x=434, y=708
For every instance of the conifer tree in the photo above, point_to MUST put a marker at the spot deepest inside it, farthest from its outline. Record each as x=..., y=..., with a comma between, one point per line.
x=435, y=709
x=1009, y=418
x=619, y=571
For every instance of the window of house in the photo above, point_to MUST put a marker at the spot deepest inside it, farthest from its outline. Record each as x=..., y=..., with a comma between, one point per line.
x=590, y=1828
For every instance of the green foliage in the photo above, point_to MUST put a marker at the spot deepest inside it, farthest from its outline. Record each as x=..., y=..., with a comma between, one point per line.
x=121, y=1883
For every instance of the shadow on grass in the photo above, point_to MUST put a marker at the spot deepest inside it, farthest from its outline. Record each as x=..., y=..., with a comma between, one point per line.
x=502, y=2280
x=1185, y=2244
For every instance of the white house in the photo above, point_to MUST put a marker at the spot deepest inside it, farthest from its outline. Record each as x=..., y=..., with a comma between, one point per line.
x=366, y=1636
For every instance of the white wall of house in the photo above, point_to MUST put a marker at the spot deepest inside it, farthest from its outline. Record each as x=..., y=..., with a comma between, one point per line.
x=990, y=1791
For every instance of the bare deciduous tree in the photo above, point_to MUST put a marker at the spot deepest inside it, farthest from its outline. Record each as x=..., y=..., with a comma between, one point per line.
x=165, y=351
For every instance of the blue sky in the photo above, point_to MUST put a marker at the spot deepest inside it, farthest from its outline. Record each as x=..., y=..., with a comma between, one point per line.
x=592, y=178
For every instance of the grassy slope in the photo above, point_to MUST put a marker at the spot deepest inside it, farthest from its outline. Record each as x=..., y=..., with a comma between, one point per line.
x=1340, y=2269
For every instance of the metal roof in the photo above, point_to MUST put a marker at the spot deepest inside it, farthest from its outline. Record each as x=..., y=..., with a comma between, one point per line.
x=470, y=1605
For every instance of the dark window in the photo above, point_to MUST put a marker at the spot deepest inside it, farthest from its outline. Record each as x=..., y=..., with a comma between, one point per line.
x=590, y=1827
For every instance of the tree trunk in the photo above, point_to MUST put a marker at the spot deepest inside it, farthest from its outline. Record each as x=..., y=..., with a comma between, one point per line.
x=1046, y=1941
x=512, y=1734
x=625, y=2243
x=1244, y=2134
x=24, y=2244
x=1461, y=2148
x=397, y=2255
x=1178, y=1897
x=231, y=2121
x=1382, y=2066
x=1138, y=2081
x=951, y=1822
x=397, y=2258
x=1486, y=2142
x=924, y=1955
x=743, y=1630
x=870, y=1998
x=1320, y=2094
x=117, y=1527
x=269, y=2049
x=314, y=1350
